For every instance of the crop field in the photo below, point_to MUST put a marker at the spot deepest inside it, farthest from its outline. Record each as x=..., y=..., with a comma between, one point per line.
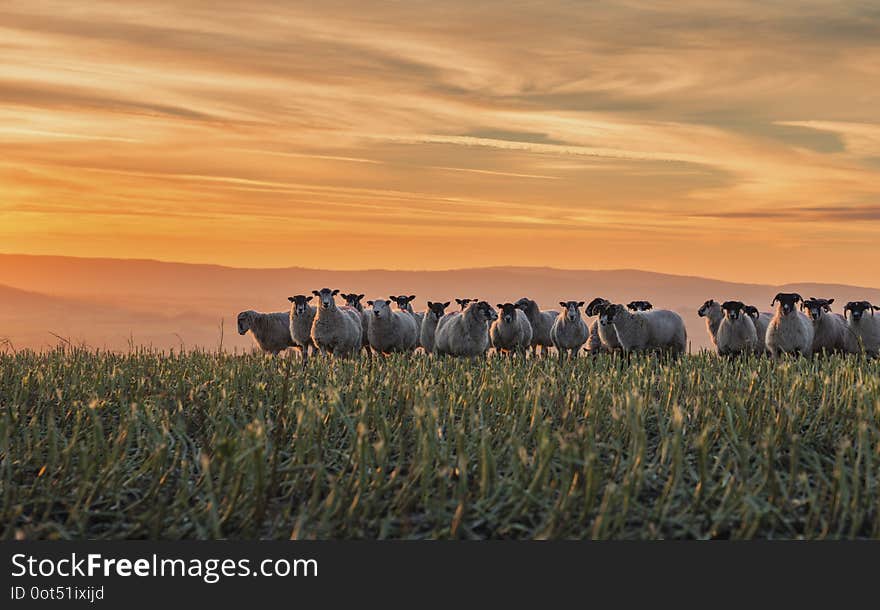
x=214, y=445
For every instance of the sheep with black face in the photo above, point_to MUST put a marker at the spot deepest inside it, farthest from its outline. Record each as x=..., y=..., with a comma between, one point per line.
x=390, y=331
x=603, y=338
x=866, y=328
x=336, y=330
x=462, y=303
x=659, y=330
x=271, y=331
x=711, y=310
x=465, y=333
x=404, y=303
x=541, y=321
x=789, y=331
x=831, y=333
x=353, y=300
x=511, y=332
x=761, y=320
x=302, y=316
x=428, y=330
x=639, y=306
x=736, y=333
x=569, y=331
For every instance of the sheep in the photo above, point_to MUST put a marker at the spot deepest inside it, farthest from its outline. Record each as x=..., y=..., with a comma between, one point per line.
x=831, y=331
x=761, y=321
x=639, y=306
x=271, y=331
x=404, y=303
x=465, y=333
x=428, y=330
x=541, y=321
x=336, y=330
x=736, y=333
x=390, y=331
x=462, y=303
x=569, y=331
x=789, y=331
x=711, y=310
x=603, y=338
x=656, y=330
x=302, y=315
x=353, y=300
x=865, y=329
x=511, y=332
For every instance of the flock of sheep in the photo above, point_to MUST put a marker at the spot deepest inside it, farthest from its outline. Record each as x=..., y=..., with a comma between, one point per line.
x=516, y=328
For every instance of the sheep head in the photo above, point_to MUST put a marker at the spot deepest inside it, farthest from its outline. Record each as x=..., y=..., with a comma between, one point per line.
x=708, y=306
x=609, y=312
x=244, y=321
x=403, y=301
x=751, y=311
x=381, y=308
x=353, y=300
x=639, y=306
x=815, y=308
x=857, y=309
x=787, y=301
x=733, y=309
x=508, y=311
x=572, y=309
x=437, y=309
x=595, y=307
x=326, y=295
x=482, y=311
x=300, y=303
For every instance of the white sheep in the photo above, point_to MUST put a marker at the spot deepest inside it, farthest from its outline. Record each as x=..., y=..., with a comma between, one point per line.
x=761, y=320
x=390, y=331
x=711, y=310
x=569, y=331
x=541, y=321
x=790, y=331
x=657, y=330
x=428, y=330
x=336, y=330
x=353, y=300
x=865, y=328
x=302, y=316
x=511, y=332
x=831, y=333
x=404, y=303
x=465, y=333
x=603, y=337
x=736, y=333
x=271, y=331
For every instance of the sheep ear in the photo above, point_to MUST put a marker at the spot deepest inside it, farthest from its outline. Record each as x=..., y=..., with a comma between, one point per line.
x=580, y=303
x=309, y=299
x=446, y=304
x=830, y=301
x=291, y=299
x=430, y=305
x=370, y=303
x=335, y=292
x=392, y=298
x=411, y=297
x=562, y=303
x=776, y=298
x=316, y=293
x=388, y=302
x=499, y=305
x=798, y=297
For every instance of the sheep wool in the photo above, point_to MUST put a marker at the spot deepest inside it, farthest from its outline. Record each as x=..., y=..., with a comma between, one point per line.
x=302, y=316
x=428, y=330
x=390, y=331
x=569, y=331
x=542, y=323
x=789, y=331
x=336, y=330
x=736, y=333
x=465, y=333
x=864, y=326
x=511, y=332
x=271, y=331
x=657, y=330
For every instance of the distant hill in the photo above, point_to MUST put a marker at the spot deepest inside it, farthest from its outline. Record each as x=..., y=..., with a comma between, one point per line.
x=110, y=302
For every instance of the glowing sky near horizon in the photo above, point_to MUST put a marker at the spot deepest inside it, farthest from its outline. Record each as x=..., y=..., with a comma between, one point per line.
x=738, y=140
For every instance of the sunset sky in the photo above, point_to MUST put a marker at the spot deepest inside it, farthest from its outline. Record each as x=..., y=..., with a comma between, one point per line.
x=737, y=140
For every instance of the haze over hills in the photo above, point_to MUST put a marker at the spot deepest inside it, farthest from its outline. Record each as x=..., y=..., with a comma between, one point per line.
x=113, y=303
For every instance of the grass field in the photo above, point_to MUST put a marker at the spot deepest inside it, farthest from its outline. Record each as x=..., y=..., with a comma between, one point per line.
x=205, y=445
